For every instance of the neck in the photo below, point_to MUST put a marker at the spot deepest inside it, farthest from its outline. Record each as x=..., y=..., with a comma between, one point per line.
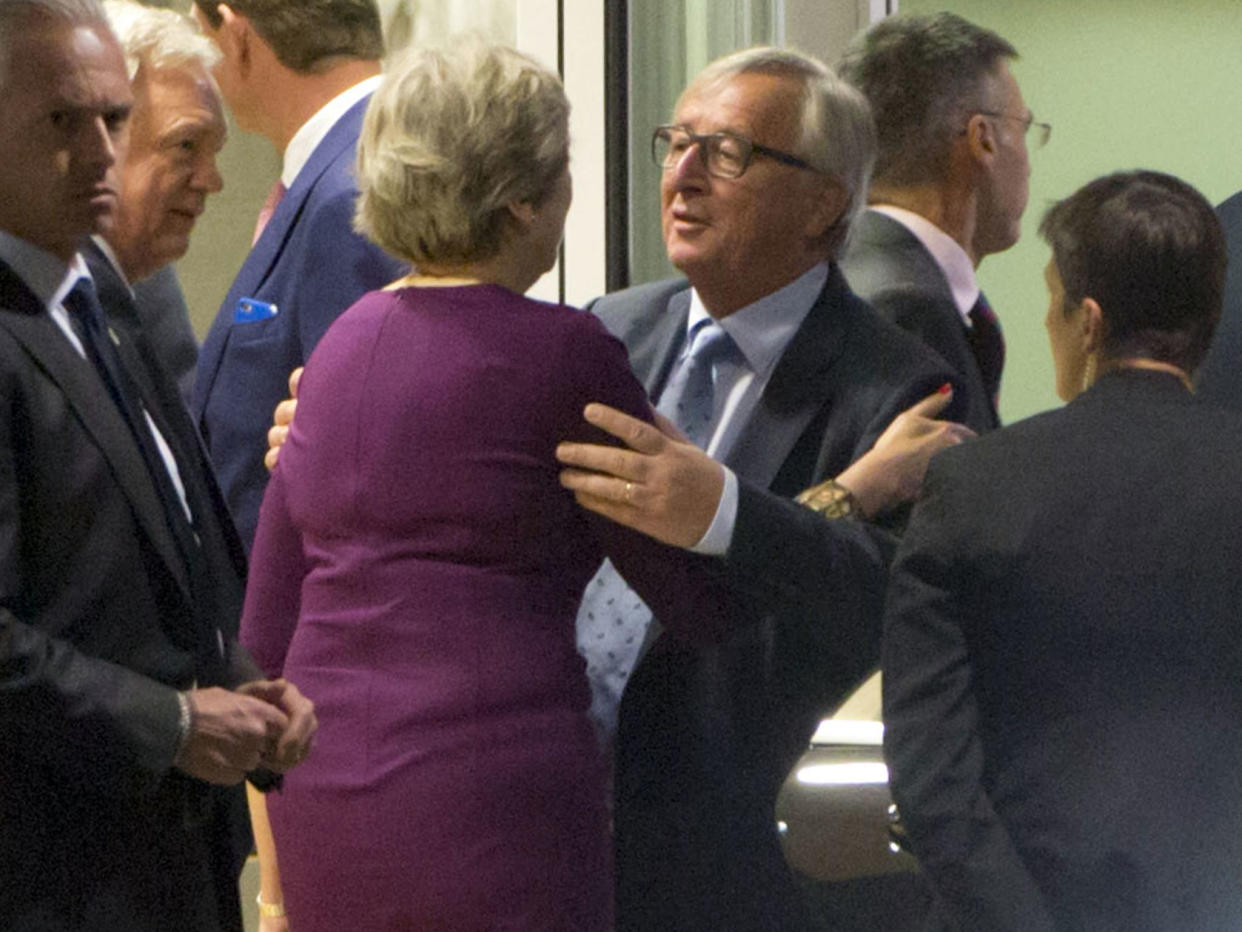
x=293, y=97
x=1148, y=365
x=950, y=207
x=508, y=269
x=132, y=265
x=722, y=298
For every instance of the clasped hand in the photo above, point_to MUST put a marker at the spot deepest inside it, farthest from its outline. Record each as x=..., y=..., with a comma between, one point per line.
x=264, y=723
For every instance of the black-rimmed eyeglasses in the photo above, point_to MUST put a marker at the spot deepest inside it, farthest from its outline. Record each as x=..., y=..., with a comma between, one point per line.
x=724, y=155
x=1043, y=131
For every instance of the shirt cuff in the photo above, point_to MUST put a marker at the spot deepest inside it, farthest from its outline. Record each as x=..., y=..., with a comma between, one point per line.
x=719, y=534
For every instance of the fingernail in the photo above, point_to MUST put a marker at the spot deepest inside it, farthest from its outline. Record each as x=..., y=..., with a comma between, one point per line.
x=944, y=389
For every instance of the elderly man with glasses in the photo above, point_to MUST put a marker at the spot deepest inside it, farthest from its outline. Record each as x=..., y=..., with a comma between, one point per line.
x=765, y=360
x=950, y=187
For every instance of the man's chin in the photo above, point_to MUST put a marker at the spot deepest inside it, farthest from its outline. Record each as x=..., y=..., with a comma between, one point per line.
x=685, y=257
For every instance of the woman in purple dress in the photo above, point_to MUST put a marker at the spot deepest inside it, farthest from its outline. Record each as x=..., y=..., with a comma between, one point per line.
x=418, y=567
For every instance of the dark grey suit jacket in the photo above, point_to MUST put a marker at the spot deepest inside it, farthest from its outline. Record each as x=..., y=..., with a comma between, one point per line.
x=155, y=308
x=164, y=316
x=706, y=735
x=1061, y=667
x=101, y=620
x=1219, y=379
x=891, y=270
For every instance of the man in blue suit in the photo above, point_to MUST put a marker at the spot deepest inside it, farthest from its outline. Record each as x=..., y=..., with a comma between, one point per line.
x=301, y=75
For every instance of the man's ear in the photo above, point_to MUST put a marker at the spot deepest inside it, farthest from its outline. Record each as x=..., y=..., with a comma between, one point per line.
x=234, y=34
x=981, y=140
x=1093, y=326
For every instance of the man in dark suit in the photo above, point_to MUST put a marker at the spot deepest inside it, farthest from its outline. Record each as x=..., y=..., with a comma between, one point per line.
x=949, y=189
x=128, y=713
x=1061, y=644
x=176, y=130
x=300, y=75
x=754, y=210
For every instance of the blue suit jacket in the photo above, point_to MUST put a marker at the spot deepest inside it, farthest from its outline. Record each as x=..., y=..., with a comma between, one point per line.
x=309, y=264
x=707, y=734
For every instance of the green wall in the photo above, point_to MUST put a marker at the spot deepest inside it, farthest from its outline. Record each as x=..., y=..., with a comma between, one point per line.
x=1125, y=84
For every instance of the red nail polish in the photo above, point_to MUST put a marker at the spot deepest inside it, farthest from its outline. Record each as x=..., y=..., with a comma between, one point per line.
x=944, y=389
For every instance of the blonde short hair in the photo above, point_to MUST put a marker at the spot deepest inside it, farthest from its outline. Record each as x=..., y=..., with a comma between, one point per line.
x=452, y=137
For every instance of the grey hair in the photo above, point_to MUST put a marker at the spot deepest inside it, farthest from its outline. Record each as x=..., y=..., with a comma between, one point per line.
x=158, y=38
x=838, y=134
x=451, y=137
x=15, y=15
x=922, y=74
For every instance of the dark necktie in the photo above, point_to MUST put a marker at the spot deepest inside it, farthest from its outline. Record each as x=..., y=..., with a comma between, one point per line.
x=87, y=316
x=988, y=345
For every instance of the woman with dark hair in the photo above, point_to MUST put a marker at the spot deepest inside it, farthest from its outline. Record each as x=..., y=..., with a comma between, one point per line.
x=1062, y=650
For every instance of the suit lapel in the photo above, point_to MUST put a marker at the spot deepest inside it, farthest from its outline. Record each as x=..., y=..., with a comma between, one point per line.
x=267, y=250
x=29, y=324
x=264, y=255
x=889, y=236
x=800, y=386
x=655, y=352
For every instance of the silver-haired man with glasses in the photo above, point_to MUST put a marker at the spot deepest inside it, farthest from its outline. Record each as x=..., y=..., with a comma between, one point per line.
x=764, y=359
x=950, y=187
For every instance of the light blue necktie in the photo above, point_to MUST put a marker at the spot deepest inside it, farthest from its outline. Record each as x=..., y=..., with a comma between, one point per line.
x=613, y=620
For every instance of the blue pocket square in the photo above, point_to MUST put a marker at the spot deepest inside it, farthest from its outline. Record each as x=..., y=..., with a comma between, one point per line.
x=249, y=310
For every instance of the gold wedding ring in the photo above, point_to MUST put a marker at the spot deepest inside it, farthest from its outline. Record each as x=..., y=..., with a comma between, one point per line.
x=629, y=492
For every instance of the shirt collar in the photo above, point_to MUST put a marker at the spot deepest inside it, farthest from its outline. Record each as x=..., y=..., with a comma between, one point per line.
x=763, y=328
x=106, y=248
x=313, y=131
x=49, y=277
x=948, y=253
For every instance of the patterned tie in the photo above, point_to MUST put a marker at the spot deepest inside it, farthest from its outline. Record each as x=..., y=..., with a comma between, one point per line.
x=613, y=620
x=988, y=344
x=270, y=204
x=689, y=398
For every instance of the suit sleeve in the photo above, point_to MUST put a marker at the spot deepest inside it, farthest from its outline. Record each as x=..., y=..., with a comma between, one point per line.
x=59, y=707
x=687, y=592
x=931, y=741
x=792, y=556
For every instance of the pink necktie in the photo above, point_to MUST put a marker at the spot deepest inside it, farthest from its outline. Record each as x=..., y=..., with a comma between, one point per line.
x=269, y=208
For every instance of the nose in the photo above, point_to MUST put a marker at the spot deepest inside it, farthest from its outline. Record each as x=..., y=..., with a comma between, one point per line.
x=103, y=141
x=207, y=175
x=691, y=169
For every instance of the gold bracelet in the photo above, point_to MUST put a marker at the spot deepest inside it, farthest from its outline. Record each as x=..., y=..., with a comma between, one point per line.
x=269, y=910
x=830, y=499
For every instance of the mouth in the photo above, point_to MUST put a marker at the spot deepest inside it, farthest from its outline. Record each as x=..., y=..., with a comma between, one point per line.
x=101, y=196
x=684, y=219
